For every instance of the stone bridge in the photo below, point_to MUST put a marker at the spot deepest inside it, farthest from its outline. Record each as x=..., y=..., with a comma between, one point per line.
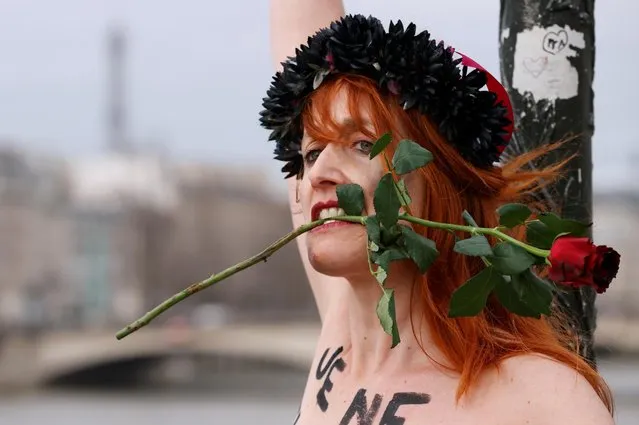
x=50, y=357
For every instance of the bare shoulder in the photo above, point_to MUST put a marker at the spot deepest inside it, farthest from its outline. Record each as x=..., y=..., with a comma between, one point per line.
x=537, y=390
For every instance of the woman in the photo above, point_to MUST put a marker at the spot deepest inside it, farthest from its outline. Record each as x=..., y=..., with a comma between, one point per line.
x=495, y=368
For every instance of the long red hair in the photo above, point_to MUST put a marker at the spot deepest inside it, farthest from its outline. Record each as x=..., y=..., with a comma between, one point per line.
x=471, y=345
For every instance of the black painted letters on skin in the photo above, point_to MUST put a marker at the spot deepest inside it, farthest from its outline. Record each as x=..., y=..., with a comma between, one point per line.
x=398, y=400
x=360, y=407
x=365, y=415
x=324, y=371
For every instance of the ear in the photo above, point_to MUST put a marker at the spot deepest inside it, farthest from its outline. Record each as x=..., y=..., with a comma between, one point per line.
x=293, y=196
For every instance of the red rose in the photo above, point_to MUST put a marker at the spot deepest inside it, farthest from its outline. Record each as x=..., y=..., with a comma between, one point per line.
x=578, y=262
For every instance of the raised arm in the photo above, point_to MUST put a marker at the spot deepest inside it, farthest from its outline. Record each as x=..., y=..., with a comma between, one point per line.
x=291, y=22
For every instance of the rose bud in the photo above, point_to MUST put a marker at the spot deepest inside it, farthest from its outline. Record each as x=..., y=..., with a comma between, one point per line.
x=578, y=262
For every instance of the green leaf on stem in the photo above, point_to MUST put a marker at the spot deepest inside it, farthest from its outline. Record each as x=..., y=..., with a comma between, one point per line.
x=373, y=229
x=372, y=246
x=386, y=201
x=386, y=315
x=511, y=215
x=562, y=225
x=471, y=222
x=539, y=235
x=392, y=254
x=470, y=298
x=350, y=198
x=474, y=246
x=543, y=231
x=421, y=250
x=469, y=219
x=380, y=145
x=391, y=236
x=510, y=299
x=532, y=291
x=381, y=275
x=410, y=156
x=404, y=197
x=511, y=259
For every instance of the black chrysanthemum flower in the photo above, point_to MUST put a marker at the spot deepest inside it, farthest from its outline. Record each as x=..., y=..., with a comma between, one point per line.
x=291, y=155
x=397, y=54
x=423, y=73
x=355, y=44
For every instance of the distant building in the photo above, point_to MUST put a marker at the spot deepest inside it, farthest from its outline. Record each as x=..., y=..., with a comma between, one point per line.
x=145, y=229
x=110, y=195
x=96, y=242
x=225, y=216
x=34, y=239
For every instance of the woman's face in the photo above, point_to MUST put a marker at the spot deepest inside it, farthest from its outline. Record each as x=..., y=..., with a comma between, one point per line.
x=338, y=248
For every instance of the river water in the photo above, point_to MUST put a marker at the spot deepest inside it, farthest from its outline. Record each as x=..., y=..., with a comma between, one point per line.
x=196, y=406
x=144, y=409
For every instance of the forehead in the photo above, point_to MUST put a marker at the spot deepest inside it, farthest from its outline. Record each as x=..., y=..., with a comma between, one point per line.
x=335, y=114
x=341, y=106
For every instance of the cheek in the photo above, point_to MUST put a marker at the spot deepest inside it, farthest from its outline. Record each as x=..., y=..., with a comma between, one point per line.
x=304, y=192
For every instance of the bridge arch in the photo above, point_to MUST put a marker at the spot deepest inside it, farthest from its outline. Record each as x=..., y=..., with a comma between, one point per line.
x=71, y=356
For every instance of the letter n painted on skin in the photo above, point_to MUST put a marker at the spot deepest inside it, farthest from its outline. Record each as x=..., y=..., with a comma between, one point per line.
x=398, y=400
x=359, y=407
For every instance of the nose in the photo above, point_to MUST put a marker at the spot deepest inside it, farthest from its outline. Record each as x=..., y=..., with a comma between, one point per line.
x=326, y=171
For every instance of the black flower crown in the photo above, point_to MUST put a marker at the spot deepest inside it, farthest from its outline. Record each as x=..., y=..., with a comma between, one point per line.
x=471, y=108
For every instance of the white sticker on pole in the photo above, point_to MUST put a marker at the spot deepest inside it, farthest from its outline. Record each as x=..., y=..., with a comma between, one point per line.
x=541, y=65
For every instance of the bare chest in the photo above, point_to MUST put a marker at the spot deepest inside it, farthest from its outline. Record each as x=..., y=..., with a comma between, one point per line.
x=332, y=396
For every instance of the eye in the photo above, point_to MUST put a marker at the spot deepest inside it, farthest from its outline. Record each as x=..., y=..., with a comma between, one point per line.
x=311, y=156
x=364, y=146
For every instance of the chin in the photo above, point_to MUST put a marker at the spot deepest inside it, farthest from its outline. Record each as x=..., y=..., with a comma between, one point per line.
x=339, y=252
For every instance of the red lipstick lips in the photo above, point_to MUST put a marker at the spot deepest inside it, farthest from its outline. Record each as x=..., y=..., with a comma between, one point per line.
x=315, y=211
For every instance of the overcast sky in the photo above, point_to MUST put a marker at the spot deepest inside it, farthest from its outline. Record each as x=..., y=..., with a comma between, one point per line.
x=197, y=70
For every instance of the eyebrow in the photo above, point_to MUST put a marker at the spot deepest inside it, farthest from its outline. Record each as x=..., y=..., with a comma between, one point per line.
x=346, y=127
x=352, y=126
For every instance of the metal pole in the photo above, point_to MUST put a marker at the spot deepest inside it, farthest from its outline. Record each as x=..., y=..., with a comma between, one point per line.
x=547, y=50
x=116, y=112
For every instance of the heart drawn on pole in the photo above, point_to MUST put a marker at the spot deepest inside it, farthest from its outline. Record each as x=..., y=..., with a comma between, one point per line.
x=555, y=42
x=535, y=66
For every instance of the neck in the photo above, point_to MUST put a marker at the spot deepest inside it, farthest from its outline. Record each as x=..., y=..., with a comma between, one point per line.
x=368, y=347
